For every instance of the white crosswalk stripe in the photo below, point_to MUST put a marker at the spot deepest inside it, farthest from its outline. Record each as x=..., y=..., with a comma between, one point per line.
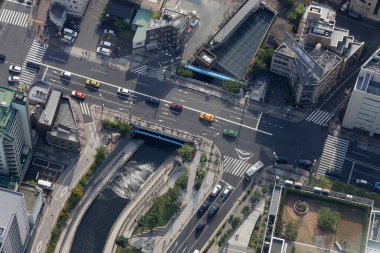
x=14, y=17
x=85, y=108
x=145, y=70
x=235, y=166
x=35, y=54
x=333, y=155
x=319, y=117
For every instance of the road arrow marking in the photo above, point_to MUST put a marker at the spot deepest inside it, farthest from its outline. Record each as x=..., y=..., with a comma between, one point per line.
x=64, y=191
x=243, y=155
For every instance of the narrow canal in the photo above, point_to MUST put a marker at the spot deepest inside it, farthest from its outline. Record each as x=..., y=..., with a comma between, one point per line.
x=99, y=218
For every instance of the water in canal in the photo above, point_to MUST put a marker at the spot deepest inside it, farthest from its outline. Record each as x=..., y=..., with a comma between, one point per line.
x=99, y=218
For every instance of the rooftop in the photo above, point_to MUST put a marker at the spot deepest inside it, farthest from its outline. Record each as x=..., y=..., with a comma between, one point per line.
x=168, y=18
x=39, y=93
x=141, y=20
x=121, y=9
x=6, y=96
x=8, y=183
x=31, y=195
x=154, y=5
x=57, y=10
x=47, y=116
x=65, y=116
x=13, y=200
x=239, y=49
x=369, y=75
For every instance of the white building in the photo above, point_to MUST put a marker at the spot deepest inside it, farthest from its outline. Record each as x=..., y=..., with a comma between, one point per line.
x=14, y=226
x=16, y=142
x=363, y=110
x=75, y=8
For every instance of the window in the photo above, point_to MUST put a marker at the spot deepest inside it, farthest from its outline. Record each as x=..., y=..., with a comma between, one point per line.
x=74, y=2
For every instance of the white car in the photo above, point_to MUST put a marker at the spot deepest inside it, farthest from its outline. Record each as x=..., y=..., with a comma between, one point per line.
x=123, y=91
x=109, y=32
x=15, y=69
x=14, y=79
x=216, y=190
x=66, y=74
x=102, y=50
x=227, y=191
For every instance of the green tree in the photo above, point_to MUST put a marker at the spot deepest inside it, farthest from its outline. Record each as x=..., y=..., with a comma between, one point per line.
x=292, y=17
x=290, y=231
x=289, y=3
x=152, y=219
x=100, y=155
x=299, y=10
x=328, y=219
x=119, y=24
x=235, y=222
x=203, y=158
x=121, y=241
x=31, y=182
x=186, y=151
x=246, y=209
x=232, y=86
x=184, y=72
x=338, y=186
x=325, y=182
x=155, y=15
x=181, y=181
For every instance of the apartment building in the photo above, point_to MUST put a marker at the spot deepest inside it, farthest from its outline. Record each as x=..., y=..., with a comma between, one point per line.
x=16, y=142
x=363, y=110
x=14, y=226
x=168, y=31
x=318, y=26
x=369, y=9
x=312, y=71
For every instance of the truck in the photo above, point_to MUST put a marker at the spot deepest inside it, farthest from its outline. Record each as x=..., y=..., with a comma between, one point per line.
x=345, y=6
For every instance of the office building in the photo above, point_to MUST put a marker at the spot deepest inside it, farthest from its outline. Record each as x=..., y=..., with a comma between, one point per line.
x=366, y=8
x=318, y=26
x=34, y=199
x=312, y=71
x=16, y=141
x=74, y=8
x=363, y=110
x=14, y=226
x=168, y=31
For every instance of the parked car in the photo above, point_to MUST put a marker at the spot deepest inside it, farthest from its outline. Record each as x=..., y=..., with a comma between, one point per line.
x=78, y=94
x=226, y=191
x=33, y=65
x=203, y=208
x=175, y=107
x=92, y=83
x=123, y=91
x=345, y=6
x=152, y=100
x=103, y=50
x=14, y=79
x=73, y=26
x=106, y=44
x=281, y=160
x=109, y=32
x=213, y=210
x=361, y=182
x=205, y=116
x=15, y=69
x=2, y=58
x=66, y=75
x=216, y=190
x=70, y=32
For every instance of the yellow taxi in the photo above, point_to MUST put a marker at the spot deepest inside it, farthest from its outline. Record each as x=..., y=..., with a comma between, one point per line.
x=208, y=117
x=92, y=83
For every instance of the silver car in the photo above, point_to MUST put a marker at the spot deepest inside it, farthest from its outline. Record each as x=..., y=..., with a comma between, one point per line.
x=15, y=69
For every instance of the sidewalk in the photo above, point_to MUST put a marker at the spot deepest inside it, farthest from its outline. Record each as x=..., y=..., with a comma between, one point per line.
x=239, y=240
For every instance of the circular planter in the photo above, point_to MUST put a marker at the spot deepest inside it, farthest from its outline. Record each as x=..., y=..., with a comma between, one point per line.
x=301, y=207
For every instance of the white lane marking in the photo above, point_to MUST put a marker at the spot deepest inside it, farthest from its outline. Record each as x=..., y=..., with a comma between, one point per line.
x=99, y=71
x=142, y=94
x=243, y=155
x=167, y=118
x=64, y=191
x=55, y=58
x=39, y=245
x=43, y=76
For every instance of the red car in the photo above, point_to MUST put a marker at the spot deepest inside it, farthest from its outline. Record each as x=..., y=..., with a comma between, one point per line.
x=78, y=94
x=175, y=107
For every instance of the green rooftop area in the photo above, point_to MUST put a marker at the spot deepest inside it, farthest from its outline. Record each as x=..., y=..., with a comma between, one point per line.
x=6, y=96
x=8, y=183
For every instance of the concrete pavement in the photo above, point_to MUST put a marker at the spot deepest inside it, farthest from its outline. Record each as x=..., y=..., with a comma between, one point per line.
x=239, y=240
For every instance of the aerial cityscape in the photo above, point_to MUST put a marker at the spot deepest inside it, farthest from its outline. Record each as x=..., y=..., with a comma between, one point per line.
x=189, y=126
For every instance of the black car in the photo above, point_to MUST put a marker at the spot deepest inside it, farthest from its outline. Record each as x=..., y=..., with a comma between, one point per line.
x=203, y=208
x=152, y=100
x=33, y=65
x=201, y=225
x=213, y=210
x=2, y=58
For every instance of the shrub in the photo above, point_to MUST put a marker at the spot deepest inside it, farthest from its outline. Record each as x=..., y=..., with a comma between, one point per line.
x=246, y=209
x=232, y=86
x=121, y=241
x=186, y=151
x=155, y=15
x=235, y=221
x=199, y=179
x=328, y=220
x=184, y=72
x=290, y=231
x=181, y=181
x=100, y=155
x=203, y=158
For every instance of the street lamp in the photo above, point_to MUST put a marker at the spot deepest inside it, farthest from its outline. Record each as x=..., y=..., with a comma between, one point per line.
x=274, y=159
x=130, y=111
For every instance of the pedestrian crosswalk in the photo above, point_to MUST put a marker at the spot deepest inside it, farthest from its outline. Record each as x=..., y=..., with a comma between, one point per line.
x=320, y=117
x=35, y=54
x=235, y=166
x=14, y=17
x=145, y=70
x=333, y=155
x=85, y=108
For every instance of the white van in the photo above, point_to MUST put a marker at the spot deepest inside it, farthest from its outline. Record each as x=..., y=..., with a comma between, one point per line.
x=345, y=6
x=361, y=181
x=251, y=171
x=68, y=39
x=70, y=32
